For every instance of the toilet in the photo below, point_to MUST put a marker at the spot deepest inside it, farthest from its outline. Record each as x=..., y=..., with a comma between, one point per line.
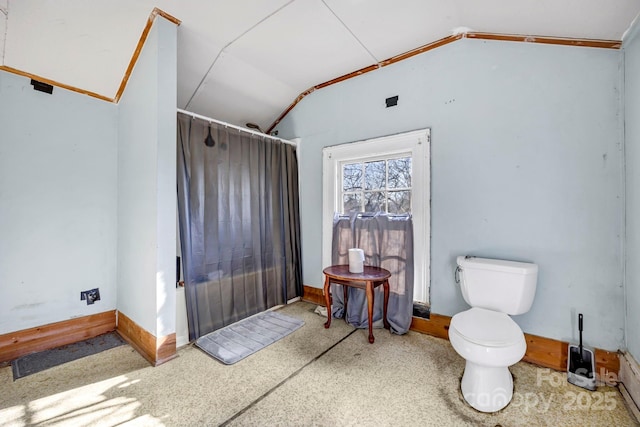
x=485, y=336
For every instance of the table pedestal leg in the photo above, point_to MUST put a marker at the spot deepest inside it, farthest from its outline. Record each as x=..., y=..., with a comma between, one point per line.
x=385, y=286
x=370, y=310
x=345, y=294
x=327, y=300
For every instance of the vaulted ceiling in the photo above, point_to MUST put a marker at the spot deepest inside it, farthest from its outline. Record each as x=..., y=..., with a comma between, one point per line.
x=247, y=60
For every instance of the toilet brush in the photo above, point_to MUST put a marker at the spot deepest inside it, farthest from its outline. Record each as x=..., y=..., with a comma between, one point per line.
x=581, y=363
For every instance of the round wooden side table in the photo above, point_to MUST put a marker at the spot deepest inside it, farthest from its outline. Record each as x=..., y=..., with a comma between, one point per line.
x=368, y=280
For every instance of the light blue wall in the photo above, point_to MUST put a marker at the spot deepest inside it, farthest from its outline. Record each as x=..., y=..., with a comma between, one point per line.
x=58, y=204
x=631, y=49
x=526, y=165
x=147, y=185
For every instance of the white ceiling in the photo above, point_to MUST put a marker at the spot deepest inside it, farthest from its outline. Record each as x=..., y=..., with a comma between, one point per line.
x=247, y=60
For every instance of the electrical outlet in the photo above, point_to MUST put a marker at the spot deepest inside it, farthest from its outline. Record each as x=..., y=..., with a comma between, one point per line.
x=90, y=296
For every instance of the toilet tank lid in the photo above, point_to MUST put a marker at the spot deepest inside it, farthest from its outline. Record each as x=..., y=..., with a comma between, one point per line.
x=514, y=267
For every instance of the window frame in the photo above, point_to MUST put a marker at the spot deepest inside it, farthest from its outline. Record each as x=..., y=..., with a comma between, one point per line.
x=417, y=144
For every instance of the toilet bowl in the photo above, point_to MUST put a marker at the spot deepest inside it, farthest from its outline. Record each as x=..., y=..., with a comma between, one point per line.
x=485, y=335
x=490, y=342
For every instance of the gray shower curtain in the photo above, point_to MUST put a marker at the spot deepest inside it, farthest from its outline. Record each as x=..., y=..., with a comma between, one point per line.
x=239, y=223
x=387, y=241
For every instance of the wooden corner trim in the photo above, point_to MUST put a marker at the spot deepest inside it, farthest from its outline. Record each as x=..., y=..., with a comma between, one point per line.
x=123, y=83
x=421, y=49
x=155, y=350
x=362, y=71
x=165, y=349
x=606, y=44
x=138, y=338
x=136, y=53
x=165, y=15
x=26, y=341
x=541, y=351
x=365, y=70
x=565, y=41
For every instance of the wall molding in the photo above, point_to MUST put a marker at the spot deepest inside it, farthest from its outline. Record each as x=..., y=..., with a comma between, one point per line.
x=563, y=41
x=436, y=325
x=313, y=295
x=123, y=83
x=136, y=53
x=20, y=343
x=54, y=83
x=26, y=341
x=541, y=351
x=546, y=352
x=392, y=60
x=630, y=383
x=157, y=350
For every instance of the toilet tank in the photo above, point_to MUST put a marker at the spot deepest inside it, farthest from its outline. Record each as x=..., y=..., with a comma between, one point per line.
x=505, y=286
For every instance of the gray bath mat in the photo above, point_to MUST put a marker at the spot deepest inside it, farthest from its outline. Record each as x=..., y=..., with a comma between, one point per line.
x=36, y=362
x=235, y=342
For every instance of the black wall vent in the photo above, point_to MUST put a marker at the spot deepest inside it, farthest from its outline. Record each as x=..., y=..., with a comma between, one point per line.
x=392, y=102
x=42, y=87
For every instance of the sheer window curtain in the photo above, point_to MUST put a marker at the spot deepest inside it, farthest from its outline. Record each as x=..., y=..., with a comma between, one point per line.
x=387, y=241
x=239, y=223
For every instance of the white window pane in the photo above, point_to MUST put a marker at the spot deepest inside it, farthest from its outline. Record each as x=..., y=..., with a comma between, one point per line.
x=400, y=173
x=374, y=175
x=352, y=177
x=374, y=202
x=399, y=202
x=351, y=203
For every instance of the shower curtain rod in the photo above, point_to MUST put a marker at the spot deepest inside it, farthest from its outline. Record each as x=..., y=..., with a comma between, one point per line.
x=240, y=128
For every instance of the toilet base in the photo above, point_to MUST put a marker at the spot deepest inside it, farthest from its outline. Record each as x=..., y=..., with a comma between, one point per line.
x=485, y=388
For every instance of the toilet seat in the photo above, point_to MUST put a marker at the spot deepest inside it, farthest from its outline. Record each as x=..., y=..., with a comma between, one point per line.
x=487, y=328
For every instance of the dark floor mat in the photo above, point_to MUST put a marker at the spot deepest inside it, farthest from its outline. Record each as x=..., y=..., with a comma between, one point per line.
x=36, y=362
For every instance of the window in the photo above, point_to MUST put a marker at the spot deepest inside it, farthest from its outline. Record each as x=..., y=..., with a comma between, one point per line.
x=377, y=186
x=389, y=174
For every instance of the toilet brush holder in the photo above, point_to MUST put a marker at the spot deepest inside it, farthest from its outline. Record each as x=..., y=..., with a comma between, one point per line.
x=581, y=369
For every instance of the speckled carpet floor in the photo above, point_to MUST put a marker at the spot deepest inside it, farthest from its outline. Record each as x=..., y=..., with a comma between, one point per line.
x=313, y=377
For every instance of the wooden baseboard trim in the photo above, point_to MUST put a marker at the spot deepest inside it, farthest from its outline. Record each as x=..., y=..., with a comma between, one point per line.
x=541, y=351
x=629, y=402
x=546, y=352
x=436, y=325
x=166, y=349
x=46, y=337
x=27, y=341
x=313, y=295
x=607, y=366
x=630, y=383
x=156, y=350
